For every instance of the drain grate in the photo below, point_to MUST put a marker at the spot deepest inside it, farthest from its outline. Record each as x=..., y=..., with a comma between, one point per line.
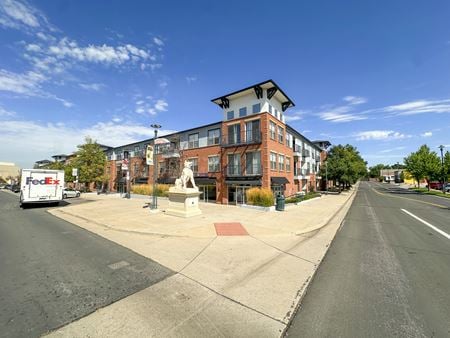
x=118, y=265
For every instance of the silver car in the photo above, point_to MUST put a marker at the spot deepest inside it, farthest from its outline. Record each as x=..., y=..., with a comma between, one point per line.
x=69, y=192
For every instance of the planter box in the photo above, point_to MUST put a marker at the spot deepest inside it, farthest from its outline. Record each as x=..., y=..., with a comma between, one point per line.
x=256, y=207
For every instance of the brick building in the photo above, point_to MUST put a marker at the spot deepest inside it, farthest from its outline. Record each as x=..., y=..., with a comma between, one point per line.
x=251, y=146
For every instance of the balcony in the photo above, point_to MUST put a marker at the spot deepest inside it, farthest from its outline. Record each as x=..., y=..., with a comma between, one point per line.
x=297, y=150
x=306, y=153
x=249, y=137
x=169, y=151
x=236, y=170
x=300, y=174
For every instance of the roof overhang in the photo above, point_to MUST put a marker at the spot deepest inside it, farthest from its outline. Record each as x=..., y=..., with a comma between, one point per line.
x=273, y=90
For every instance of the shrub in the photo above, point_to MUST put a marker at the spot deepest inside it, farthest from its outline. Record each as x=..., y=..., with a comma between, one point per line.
x=260, y=196
x=310, y=195
x=162, y=190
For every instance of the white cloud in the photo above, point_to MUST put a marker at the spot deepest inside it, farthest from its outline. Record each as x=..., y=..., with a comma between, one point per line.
x=27, y=83
x=151, y=106
x=158, y=41
x=418, y=107
x=6, y=113
x=391, y=150
x=354, y=100
x=20, y=15
x=161, y=105
x=295, y=116
x=427, y=134
x=92, y=86
x=25, y=142
x=191, y=79
x=337, y=117
x=379, y=135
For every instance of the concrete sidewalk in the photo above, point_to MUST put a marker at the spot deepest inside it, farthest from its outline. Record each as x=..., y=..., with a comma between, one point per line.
x=226, y=285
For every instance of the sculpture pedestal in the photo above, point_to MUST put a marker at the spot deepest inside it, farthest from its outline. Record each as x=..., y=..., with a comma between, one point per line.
x=183, y=202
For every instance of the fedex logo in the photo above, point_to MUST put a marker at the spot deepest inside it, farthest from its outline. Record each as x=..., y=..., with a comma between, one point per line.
x=47, y=180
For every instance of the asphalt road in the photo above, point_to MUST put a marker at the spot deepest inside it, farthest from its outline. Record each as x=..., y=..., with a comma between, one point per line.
x=387, y=274
x=53, y=272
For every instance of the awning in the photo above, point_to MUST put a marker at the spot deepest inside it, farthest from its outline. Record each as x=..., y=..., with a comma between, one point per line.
x=279, y=180
x=242, y=182
x=205, y=180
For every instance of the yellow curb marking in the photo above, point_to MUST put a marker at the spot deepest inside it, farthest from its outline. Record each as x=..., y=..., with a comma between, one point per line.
x=412, y=199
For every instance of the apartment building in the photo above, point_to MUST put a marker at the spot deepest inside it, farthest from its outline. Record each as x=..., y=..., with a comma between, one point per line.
x=251, y=146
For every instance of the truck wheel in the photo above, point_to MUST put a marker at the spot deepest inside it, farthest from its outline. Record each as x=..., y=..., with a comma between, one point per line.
x=78, y=194
x=65, y=196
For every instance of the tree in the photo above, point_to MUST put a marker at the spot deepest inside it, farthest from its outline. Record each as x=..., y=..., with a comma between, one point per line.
x=344, y=165
x=447, y=164
x=374, y=172
x=90, y=161
x=423, y=164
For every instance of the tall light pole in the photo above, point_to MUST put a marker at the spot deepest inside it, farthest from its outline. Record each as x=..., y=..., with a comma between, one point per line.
x=326, y=175
x=441, y=147
x=155, y=168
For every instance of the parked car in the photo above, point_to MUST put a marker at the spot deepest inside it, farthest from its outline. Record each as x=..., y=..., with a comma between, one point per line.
x=447, y=187
x=69, y=192
x=2, y=185
x=15, y=188
x=436, y=185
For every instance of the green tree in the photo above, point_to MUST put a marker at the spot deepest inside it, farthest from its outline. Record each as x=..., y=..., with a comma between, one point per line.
x=90, y=161
x=374, y=172
x=344, y=165
x=423, y=164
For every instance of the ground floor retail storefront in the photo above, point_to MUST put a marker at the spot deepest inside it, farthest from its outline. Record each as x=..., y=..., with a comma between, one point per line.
x=237, y=189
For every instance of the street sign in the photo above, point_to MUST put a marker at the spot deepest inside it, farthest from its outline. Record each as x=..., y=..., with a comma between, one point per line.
x=74, y=171
x=149, y=155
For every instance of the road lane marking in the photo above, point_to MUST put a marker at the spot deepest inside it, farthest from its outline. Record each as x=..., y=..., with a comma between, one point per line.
x=427, y=224
x=411, y=199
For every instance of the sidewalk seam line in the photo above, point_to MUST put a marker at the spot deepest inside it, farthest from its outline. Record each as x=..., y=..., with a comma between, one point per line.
x=196, y=256
x=232, y=300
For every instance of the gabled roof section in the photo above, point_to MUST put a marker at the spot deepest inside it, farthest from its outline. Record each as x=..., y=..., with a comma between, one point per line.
x=272, y=88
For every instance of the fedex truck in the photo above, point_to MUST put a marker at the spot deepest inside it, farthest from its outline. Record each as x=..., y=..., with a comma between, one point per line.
x=41, y=186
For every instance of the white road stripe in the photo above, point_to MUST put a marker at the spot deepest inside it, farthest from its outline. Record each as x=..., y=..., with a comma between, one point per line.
x=427, y=224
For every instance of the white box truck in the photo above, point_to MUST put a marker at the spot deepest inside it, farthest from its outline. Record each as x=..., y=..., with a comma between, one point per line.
x=41, y=186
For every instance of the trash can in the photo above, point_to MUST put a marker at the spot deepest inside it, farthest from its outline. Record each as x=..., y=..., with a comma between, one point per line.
x=280, y=203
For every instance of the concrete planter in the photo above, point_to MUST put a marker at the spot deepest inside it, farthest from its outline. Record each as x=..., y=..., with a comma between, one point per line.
x=256, y=207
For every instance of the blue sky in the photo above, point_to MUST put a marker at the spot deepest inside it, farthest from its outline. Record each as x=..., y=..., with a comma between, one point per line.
x=372, y=74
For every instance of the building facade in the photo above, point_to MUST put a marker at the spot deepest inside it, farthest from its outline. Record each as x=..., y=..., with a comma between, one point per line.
x=251, y=146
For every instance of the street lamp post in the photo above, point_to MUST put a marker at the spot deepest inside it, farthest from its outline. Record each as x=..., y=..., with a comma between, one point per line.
x=441, y=147
x=326, y=175
x=154, y=205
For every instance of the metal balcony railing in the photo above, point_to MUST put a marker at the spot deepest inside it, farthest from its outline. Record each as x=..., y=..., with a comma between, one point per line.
x=249, y=137
x=233, y=170
x=253, y=170
x=306, y=153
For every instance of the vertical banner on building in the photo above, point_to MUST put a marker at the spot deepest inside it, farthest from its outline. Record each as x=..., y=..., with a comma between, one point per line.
x=149, y=155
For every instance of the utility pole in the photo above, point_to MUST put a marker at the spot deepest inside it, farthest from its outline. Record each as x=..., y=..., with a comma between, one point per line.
x=441, y=147
x=154, y=205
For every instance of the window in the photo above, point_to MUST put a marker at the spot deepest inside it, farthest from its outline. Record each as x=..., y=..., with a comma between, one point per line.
x=234, y=134
x=289, y=140
x=253, y=163
x=194, y=165
x=213, y=136
x=193, y=141
x=243, y=112
x=136, y=150
x=280, y=134
x=230, y=115
x=213, y=164
x=272, y=128
x=273, y=161
x=119, y=157
x=234, y=164
x=288, y=164
x=252, y=131
x=256, y=108
x=281, y=162
x=270, y=109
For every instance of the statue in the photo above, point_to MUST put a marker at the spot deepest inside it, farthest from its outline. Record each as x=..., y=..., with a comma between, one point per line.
x=183, y=201
x=186, y=176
